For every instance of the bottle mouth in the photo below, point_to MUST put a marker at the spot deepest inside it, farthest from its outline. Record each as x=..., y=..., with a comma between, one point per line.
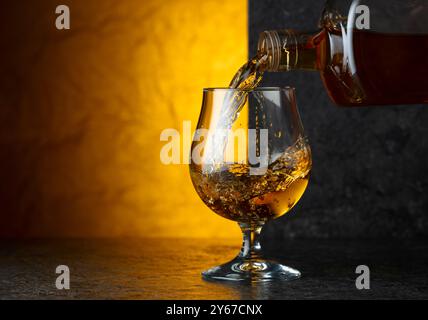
x=269, y=44
x=276, y=45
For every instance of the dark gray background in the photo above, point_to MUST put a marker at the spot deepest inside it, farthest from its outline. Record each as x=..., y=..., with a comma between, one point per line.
x=369, y=174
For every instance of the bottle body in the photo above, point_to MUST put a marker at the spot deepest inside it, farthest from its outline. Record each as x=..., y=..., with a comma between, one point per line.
x=383, y=69
x=358, y=66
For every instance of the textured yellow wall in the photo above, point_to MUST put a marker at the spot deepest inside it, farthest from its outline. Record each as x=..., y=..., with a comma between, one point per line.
x=82, y=111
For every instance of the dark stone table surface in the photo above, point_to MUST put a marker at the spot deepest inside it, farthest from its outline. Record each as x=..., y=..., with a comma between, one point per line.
x=170, y=269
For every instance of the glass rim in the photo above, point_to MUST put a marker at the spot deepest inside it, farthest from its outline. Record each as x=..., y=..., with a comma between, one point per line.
x=266, y=89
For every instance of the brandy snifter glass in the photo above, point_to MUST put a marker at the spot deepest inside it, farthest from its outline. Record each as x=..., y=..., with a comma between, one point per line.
x=250, y=163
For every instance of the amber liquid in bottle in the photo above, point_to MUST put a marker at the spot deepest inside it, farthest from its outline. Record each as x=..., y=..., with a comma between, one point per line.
x=390, y=69
x=364, y=68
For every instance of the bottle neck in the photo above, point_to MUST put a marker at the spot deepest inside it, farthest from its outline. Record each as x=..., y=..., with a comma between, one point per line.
x=288, y=50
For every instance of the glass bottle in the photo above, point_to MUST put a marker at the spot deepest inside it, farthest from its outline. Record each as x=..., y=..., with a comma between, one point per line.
x=367, y=52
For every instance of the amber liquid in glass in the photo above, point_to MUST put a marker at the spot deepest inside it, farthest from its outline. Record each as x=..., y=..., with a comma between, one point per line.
x=235, y=194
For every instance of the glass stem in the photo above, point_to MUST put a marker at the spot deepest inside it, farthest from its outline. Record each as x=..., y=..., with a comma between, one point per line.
x=251, y=248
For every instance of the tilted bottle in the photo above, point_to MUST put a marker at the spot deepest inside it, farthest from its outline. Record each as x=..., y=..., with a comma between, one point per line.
x=367, y=52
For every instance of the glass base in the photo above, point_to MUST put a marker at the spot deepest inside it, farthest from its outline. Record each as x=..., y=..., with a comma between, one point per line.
x=241, y=270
